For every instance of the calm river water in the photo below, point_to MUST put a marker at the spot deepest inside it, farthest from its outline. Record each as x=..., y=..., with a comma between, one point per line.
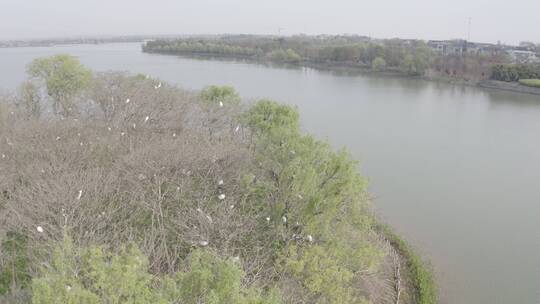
x=456, y=170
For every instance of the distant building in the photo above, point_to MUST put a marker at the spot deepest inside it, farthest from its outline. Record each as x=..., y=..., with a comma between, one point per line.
x=519, y=55
x=448, y=47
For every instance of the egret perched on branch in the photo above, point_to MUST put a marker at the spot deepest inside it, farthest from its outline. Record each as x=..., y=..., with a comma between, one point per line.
x=127, y=101
x=146, y=118
x=221, y=104
x=157, y=86
x=221, y=196
x=80, y=195
x=39, y=229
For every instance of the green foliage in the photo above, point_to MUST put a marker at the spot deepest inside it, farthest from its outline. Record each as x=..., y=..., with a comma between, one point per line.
x=413, y=57
x=94, y=276
x=212, y=280
x=322, y=192
x=378, y=64
x=216, y=94
x=515, y=72
x=416, y=60
x=267, y=116
x=199, y=47
x=288, y=55
x=325, y=279
x=14, y=271
x=64, y=77
x=530, y=82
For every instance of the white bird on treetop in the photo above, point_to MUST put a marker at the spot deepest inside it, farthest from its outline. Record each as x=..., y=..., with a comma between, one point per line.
x=221, y=104
x=146, y=118
x=284, y=219
x=220, y=182
x=237, y=128
x=80, y=195
x=203, y=243
x=39, y=229
x=268, y=219
x=127, y=100
x=309, y=238
x=221, y=196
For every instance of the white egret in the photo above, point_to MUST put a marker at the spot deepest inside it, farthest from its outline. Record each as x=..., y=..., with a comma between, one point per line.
x=268, y=219
x=146, y=118
x=80, y=195
x=203, y=243
x=284, y=219
x=220, y=182
x=39, y=229
x=127, y=100
x=309, y=238
x=221, y=196
x=221, y=104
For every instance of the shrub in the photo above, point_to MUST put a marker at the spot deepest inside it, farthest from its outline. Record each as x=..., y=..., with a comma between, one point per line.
x=530, y=82
x=211, y=280
x=14, y=269
x=93, y=275
x=216, y=94
x=378, y=64
x=321, y=274
x=288, y=55
x=515, y=72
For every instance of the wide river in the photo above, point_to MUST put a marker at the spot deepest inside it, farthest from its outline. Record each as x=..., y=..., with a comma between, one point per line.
x=456, y=170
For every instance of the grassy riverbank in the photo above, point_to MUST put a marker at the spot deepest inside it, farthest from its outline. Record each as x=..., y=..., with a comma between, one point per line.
x=425, y=288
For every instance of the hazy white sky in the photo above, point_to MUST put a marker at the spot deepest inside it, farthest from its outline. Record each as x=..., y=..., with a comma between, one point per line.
x=492, y=20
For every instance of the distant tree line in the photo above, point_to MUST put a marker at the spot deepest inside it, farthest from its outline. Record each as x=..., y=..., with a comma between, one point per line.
x=410, y=57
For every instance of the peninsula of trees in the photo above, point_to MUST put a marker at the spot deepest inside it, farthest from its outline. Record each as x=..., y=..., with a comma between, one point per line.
x=450, y=60
x=121, y=188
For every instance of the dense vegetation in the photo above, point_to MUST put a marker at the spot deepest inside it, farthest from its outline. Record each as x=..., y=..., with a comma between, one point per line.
x=530, y=82
x=515, y=72
x=124, y=189
x=410, y=57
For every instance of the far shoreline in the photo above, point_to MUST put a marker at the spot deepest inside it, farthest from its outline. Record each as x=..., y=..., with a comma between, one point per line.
x=363, y=69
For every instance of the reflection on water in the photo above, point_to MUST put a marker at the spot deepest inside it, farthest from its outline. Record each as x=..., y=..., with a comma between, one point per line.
x=454, y=168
